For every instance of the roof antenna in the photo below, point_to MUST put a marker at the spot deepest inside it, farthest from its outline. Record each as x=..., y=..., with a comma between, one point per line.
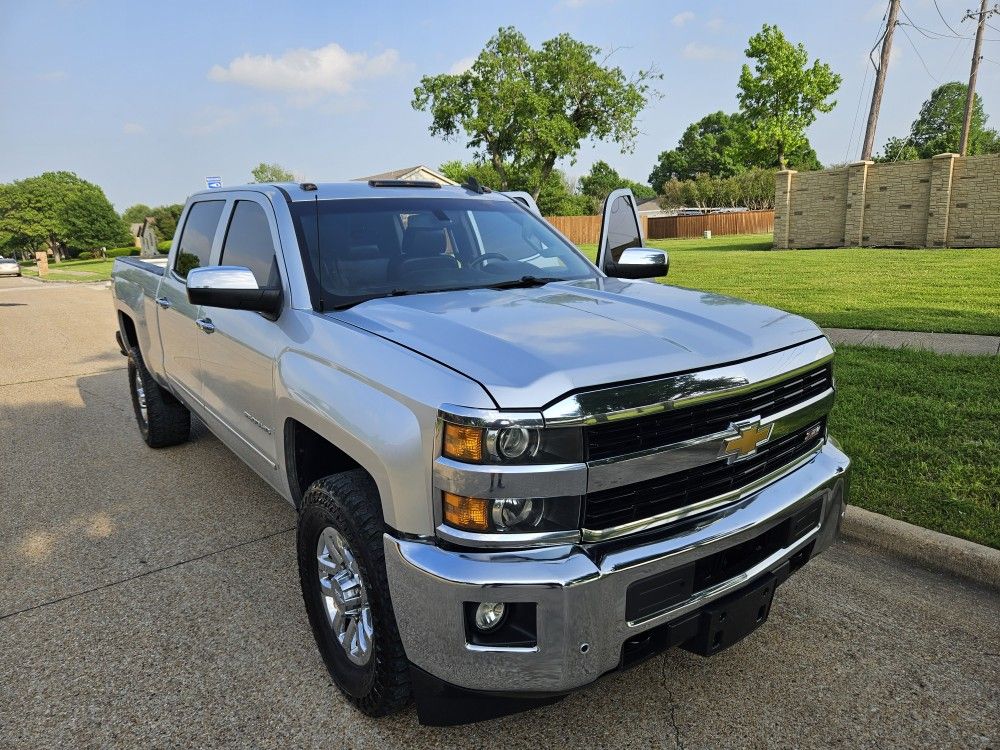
x=471, y=183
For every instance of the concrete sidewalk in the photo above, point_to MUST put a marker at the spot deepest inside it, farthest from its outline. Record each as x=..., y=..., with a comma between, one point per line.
x=941, y=343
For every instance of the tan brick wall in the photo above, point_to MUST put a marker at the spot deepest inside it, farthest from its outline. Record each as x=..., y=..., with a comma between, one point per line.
x=896, y=204
x=974, y=208
x=816, y=210
x=947, y=200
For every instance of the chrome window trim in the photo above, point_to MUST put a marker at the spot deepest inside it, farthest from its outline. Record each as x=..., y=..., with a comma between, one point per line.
x=618, y=471
x=655, y=396
x=712, y=503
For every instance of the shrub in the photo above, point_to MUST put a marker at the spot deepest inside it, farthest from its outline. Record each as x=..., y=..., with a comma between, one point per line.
x=163, y=246
x=118, y=252
x=85, y=255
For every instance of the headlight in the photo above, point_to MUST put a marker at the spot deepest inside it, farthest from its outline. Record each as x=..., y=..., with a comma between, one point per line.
x=511, y=515
x=511, y=444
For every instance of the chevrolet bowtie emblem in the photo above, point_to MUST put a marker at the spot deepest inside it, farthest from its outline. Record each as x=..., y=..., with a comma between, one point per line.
x=751, y=435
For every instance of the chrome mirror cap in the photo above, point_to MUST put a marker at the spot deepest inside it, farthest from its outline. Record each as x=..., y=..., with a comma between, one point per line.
x=231, y=287
x=641, y=263
x=221, y=277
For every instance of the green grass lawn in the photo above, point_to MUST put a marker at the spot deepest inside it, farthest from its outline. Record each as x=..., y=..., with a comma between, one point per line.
x=921, y=429
x=74, y=270
x=956, y=291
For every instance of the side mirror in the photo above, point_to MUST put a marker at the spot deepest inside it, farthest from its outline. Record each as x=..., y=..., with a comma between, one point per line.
x=641, y=263
x=231, y=287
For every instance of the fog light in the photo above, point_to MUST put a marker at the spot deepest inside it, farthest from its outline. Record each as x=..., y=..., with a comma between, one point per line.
x=509, y=512
x=489, y=615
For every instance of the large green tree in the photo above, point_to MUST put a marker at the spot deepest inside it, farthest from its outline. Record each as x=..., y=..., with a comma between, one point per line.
x=602, y=179
x=522, y=109
x=938, y=128
x=710, y=146
x=781, y=95
x=61, y=211
x=271, y=173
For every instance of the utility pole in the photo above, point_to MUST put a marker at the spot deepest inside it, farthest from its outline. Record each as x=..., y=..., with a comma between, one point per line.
x=977, y=54
x=883, y=66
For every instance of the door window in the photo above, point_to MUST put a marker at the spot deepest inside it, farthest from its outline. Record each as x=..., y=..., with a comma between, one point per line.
x=249, y=244
x=195, y=246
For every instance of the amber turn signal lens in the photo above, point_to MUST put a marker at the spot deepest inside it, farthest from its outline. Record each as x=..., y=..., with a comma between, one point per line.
x=467, y=513
x=463, y=443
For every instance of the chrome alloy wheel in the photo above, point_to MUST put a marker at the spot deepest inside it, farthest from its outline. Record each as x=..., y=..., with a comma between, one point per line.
x=140, y=397
x=344, y=596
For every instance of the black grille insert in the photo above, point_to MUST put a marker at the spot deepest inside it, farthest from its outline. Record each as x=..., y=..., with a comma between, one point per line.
x=614, y=439
x=632, y=502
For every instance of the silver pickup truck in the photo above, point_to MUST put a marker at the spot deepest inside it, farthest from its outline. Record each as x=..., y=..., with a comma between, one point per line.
x=514, y=471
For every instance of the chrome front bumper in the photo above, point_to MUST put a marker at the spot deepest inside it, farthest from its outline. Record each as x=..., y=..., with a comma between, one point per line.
x=581, y=596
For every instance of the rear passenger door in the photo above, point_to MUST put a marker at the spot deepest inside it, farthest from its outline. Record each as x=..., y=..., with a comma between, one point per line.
x=238, y=357
x=178, y=318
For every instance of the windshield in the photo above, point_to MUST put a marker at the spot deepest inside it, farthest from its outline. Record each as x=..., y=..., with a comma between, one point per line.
x=357, y=249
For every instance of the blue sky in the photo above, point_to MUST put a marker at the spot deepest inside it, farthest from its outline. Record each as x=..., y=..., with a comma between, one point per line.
x=147, y=99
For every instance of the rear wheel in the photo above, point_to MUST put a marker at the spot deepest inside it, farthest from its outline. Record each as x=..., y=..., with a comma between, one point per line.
x=346, y=592
x=162, y=419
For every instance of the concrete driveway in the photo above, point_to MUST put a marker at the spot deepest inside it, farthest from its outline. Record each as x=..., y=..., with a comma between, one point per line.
x=151, y=598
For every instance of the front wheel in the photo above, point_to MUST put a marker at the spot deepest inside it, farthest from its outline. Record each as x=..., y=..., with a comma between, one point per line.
x=346, y=592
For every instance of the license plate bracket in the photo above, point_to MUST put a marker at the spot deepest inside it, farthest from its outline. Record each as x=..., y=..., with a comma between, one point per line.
x=724, y=622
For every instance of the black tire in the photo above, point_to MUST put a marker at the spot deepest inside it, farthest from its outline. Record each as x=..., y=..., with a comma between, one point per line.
x=166, y=421
x=349, y=503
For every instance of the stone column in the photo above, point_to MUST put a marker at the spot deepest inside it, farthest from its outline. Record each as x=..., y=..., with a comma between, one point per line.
x=939, y=200
x=854, y=215
x=782, y=207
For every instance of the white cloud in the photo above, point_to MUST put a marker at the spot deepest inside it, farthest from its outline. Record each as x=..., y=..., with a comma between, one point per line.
x=329, y=69
x=133, y=128
x=699, y=51
x=682, y=18
x=460, y=66
x=715, y=24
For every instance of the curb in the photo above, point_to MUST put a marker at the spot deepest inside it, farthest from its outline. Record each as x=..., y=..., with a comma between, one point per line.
x=929, y=549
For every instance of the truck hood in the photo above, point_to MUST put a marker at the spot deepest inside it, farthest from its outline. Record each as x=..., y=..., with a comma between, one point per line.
x=528, y=347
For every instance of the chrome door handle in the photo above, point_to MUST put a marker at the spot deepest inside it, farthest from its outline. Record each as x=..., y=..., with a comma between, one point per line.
x=163, y=302
x=205, y=324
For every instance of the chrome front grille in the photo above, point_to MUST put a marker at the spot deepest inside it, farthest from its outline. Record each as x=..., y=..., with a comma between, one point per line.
x=686, y=490
x=620, y=438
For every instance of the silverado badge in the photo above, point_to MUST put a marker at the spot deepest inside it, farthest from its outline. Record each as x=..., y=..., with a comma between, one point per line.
x=751, y=435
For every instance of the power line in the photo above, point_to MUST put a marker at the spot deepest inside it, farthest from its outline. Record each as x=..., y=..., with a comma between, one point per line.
x=921, y=57
x=944, y=20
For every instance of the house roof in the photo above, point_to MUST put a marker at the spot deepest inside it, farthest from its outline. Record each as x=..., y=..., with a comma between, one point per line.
x=408, y=173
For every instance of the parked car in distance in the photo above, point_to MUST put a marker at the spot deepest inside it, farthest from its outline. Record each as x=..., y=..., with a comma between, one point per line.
x=9, y=267
x=514, y=471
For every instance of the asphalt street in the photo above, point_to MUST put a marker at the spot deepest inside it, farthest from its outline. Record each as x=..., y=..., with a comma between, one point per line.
x=150, y=598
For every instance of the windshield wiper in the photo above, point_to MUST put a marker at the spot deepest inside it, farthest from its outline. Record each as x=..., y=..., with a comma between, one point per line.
x=524, y=282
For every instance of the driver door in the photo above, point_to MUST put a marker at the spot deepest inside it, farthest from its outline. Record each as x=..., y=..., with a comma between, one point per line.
x=621, y=229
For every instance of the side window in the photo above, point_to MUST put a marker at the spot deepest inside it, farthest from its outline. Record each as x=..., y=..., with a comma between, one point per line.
x=248, y=243
x=196, y=238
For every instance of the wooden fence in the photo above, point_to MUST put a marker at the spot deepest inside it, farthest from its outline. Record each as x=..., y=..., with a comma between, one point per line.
x=585, y=229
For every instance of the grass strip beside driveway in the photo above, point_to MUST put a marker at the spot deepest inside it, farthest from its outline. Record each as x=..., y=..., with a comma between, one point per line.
x=922, y=430
x=947, y=291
